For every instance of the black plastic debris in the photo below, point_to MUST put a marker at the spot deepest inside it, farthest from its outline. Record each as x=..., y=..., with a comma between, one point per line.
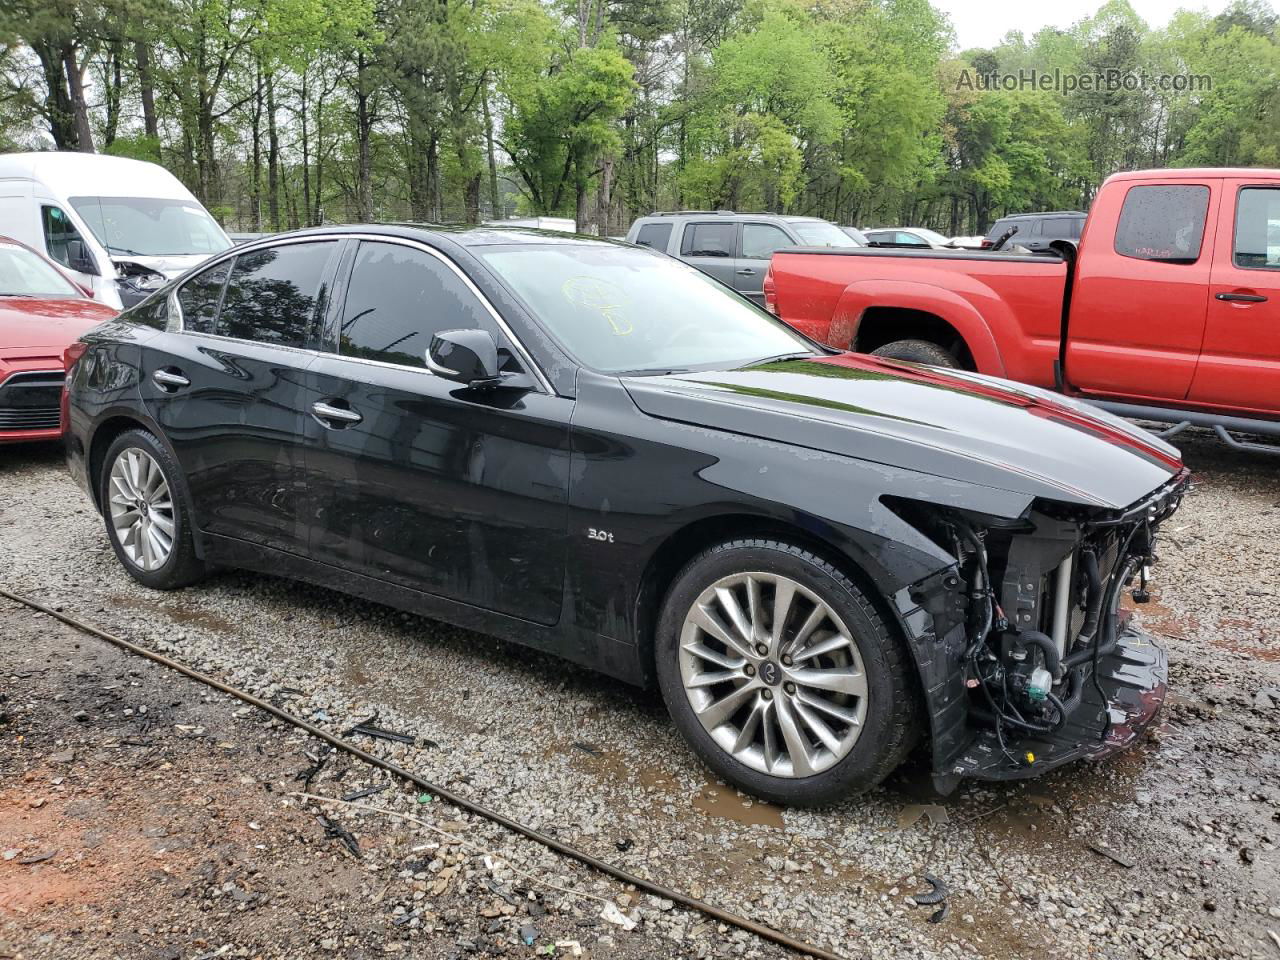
x=317, y=764
x=587, y=748
x=624, y=845
x=367, y=728
x=361, y=794
x=1104, y=851
x=335, y=831
x=936, y=893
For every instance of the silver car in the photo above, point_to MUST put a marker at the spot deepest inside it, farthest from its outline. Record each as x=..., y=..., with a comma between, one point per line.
x=733, y=247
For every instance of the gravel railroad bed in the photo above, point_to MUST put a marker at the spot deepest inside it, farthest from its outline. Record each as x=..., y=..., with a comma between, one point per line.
x=1196, y=808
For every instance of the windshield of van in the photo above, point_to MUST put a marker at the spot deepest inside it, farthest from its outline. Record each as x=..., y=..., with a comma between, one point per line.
x=150, y=227
x=24, y=274
x=627, y=310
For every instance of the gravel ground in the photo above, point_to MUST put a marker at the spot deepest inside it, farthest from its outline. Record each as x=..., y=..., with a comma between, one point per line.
x=1195, y=808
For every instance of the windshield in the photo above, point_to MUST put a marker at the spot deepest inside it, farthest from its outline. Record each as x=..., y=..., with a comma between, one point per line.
x=819, y=233
x=23, y=274
x=150, y=227
x=626, y=310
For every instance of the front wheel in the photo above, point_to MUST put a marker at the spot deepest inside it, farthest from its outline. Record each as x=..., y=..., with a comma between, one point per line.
x=148, y=520
x=917, y=351
x=782, y=675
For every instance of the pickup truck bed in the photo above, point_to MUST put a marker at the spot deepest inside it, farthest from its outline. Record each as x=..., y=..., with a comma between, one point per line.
x=1168, y=309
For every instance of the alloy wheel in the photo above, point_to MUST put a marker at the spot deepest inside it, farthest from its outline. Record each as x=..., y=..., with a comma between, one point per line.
x=142, y=511
x=773, y=674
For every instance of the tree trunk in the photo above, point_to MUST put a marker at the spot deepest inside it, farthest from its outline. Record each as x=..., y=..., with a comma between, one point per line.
x=79, y=108
x=57, y=103
x=113, y=83
x=255, y=191
x=364, y=131
x=495, y=210
x=273, y=158
x=306, y=153
x=146, y=85
x=605, y=196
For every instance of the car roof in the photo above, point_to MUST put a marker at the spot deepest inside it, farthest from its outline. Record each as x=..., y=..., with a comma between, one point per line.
x=466, y=236
x=1046, y=213
x=71, y=173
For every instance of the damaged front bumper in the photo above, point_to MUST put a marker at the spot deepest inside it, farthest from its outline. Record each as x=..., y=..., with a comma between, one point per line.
x=1026, y=660
x=1134, y=679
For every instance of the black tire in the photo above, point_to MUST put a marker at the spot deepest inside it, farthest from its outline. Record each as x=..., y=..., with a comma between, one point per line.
x=917, y=351
x=891, y=726
x=182, y=567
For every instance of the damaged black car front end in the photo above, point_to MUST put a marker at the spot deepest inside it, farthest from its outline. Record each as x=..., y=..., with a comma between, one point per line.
x=1027, y=659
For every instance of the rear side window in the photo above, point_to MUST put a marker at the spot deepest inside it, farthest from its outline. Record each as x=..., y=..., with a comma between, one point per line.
x=760, y=240
x=200, y=296
x=1163, y=223
x=654, y=235
x=1257, y=240
x=708, y=240
x=998, y=228
x=398, y=299
x=273, y=294
x=1065, y=228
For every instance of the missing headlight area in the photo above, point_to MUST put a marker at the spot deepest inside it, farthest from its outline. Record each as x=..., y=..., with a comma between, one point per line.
x=1027, y=659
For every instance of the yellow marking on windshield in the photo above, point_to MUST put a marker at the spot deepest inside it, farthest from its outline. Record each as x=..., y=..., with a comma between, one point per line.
x=596, y=294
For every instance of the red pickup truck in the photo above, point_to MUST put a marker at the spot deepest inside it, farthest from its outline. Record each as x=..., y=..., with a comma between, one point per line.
x=1168, y=310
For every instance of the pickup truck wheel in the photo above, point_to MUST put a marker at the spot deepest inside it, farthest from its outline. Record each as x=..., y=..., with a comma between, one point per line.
x=782, y=675
x=917, y=351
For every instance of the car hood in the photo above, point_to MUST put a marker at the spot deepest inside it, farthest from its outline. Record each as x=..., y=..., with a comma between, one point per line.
x=28, y=323
x=960, y=426
x=170, y=266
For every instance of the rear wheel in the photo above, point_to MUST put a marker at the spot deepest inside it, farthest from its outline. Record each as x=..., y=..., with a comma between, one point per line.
x=782, y=675
x=917, y=351
x=148, y=520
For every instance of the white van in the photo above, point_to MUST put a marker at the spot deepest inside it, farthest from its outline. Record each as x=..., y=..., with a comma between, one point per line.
x=121, y=227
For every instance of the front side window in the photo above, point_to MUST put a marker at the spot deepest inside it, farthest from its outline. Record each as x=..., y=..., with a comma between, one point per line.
x=62, y=240
x=1257, y=240
x=654, y=235
x=1163, y=223
x=150, y=227
x=621, y=309
x=274, y=293
x=760, y=240
x=200, y=297
x=24, y=274
x=398, y=299
x=708, y=240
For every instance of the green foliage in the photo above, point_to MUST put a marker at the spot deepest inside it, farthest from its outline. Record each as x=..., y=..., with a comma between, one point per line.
x=287, y=112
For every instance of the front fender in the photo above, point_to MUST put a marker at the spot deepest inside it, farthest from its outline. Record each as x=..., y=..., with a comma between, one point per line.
x=974, y=326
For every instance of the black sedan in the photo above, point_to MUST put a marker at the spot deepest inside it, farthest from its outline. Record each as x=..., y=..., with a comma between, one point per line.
x=822, y=559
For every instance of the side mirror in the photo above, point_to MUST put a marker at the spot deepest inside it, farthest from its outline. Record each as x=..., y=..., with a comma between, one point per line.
x=78, y=258
x=465, y=356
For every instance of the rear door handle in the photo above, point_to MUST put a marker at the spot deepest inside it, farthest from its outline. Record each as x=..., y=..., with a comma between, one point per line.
x=1241, y=297
x=169, y=380
x=746, y=272
x=334, y=417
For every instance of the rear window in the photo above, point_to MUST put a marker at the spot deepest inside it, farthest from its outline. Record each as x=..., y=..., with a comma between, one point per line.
x=1067, y=228
x=1163, y=223
x=1257, y=240
x=654, y=235
x=708, y=240
x=273, y=294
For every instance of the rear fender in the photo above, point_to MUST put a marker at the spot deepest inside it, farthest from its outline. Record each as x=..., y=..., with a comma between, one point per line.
x=973, y=327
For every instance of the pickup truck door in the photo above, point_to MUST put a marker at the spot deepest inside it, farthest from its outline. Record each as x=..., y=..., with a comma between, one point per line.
x=1240, y=361
x=710, y=245
x=1141, y=289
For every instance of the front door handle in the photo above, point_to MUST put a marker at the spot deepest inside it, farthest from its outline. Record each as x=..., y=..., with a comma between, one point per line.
x=746, y=272
x=1241, y=297
x=334, y=417
x=170, y=381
